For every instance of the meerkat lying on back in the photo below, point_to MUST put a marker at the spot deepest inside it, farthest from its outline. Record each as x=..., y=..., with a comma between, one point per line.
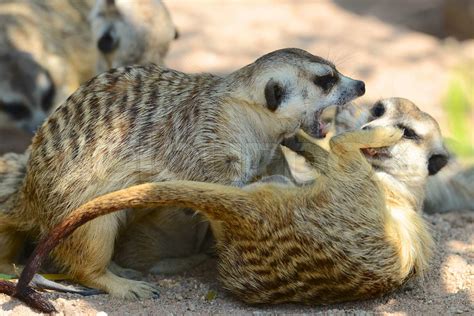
x=451, y=189
x=131, y=32
x=148, y=124
x=355, y=233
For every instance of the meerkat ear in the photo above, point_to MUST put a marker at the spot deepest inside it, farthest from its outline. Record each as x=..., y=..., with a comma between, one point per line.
x=436, y=163
x=274, y=93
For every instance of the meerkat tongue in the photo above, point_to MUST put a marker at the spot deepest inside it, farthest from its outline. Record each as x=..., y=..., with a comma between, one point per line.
x=319, y=129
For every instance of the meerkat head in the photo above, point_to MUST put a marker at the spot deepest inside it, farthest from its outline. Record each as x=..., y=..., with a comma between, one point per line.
x=26, y=91
x=293, y=83
x=419, y=153
x=131, y=32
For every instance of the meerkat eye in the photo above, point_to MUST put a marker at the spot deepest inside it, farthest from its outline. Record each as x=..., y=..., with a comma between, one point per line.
x=378, y=110
x=326, y=82
x=408, y=132
x=15, y=110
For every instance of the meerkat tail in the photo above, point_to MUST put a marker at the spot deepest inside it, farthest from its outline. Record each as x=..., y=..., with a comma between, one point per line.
x=216, y=202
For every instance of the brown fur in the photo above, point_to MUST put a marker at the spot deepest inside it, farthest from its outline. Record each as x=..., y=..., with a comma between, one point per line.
x=148, y=124
x=355, y=233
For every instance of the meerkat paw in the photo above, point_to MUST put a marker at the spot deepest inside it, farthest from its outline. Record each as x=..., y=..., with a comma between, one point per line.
x=384, y=136
x=136, y=290
x=123, y=288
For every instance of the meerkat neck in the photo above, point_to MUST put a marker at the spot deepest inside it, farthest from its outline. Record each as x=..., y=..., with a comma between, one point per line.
x=405, y=227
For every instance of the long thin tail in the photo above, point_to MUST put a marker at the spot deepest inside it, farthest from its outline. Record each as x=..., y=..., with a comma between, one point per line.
x=217, y=202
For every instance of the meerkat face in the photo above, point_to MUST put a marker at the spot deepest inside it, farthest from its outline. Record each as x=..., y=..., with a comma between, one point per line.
x=125, y=31
x=294, y=83
x=420, y=151
x=26, y=91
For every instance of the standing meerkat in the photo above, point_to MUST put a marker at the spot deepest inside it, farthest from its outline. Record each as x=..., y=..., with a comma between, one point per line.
x=131, y=32
x=355, y=233
x=149, y=124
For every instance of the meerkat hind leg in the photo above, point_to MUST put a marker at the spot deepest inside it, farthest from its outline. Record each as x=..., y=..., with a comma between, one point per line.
x=125, y=272
x=177, y=265
x=90, y=268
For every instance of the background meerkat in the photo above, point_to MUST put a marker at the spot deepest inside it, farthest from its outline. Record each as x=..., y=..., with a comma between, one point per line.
x=131, y=32
x=355, y=233
x=451, y=189
x=147, y=124
x=44, y=57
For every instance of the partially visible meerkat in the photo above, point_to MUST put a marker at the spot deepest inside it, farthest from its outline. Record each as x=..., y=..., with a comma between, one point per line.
x=143, y=124
x=355, y=233
x=44, y=57
x=451, y=189
x=131, y=32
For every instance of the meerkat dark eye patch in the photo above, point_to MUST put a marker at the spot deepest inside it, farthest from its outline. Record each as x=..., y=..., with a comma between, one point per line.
x=16, y=110
x=274, y=95
x=326, y=82
x=436, y=163
x=408, y=133
x=378, y=109
x=48, y=97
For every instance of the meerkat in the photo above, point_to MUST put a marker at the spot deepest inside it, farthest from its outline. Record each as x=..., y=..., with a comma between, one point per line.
x=44, y=57
x=355, y=233
x=143, y=124
x=131, y=32
x=449, y=190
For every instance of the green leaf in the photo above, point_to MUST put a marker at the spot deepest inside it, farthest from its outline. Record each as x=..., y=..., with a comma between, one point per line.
x=211, y=295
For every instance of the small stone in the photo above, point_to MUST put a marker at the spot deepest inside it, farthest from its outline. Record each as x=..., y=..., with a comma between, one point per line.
x=101, y=313
x=192, y=307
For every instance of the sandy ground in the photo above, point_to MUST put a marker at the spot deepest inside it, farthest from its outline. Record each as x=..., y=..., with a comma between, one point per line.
x=394, y=60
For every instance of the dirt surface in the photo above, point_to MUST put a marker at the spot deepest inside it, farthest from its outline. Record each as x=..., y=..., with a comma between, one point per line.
x=392, y=58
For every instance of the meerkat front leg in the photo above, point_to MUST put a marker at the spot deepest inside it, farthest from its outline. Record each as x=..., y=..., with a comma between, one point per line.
x=367, y=138
x=346, y=147
x=95, y=241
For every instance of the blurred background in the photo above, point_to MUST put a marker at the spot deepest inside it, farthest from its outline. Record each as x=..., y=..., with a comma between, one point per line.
x=419, y=49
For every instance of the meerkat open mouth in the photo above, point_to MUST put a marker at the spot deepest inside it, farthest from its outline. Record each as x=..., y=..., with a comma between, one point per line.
x=376, y=153
x=319, y=129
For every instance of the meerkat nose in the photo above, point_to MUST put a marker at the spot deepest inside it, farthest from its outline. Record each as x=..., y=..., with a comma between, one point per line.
x=360, y=88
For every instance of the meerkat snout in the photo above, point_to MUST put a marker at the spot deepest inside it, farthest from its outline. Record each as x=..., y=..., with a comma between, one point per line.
x=108, y=42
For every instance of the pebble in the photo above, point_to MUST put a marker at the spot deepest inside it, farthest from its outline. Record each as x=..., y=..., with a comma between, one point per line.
x=101, y=313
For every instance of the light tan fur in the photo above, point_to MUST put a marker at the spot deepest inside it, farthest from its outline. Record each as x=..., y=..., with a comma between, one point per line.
x=355, y=233
x=131, y=32
x=143, y=124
